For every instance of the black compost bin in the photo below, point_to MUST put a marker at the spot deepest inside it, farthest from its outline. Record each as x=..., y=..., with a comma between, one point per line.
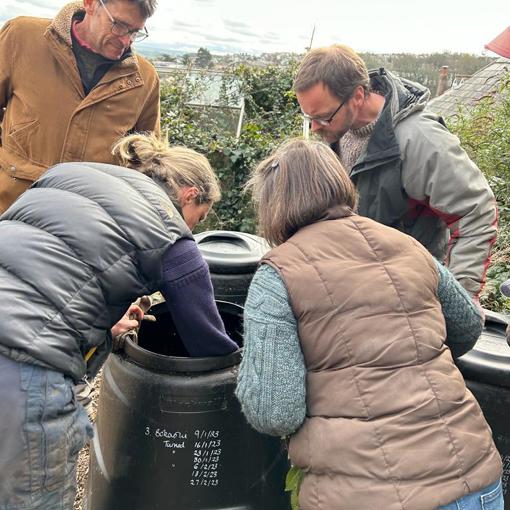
x=486, y=370
x=170, y=433
x=233, y=258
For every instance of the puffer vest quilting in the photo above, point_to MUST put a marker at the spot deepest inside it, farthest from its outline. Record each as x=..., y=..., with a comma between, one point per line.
x=390, y=424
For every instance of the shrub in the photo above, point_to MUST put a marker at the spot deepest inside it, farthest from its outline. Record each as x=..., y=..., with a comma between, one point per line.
x=271, y=115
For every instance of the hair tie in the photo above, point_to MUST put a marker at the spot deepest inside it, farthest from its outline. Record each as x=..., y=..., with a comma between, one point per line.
x=135, y=159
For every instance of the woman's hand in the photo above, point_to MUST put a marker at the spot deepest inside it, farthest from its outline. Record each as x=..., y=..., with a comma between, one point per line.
x=129, y=321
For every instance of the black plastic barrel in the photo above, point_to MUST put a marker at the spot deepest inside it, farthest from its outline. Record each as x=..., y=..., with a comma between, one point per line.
x=170, y=433
x=486, y=370
x=233, y=258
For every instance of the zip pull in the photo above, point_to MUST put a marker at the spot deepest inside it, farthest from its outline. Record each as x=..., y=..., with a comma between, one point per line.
x=87, y=382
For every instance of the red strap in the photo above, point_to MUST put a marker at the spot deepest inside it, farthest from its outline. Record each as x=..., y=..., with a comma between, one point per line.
x=80, y=41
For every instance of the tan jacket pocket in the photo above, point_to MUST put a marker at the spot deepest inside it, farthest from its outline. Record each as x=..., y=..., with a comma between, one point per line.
x=20, y=138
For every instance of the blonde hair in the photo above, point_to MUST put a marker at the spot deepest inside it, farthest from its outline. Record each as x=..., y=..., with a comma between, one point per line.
x=296, y=185
x=176, y=167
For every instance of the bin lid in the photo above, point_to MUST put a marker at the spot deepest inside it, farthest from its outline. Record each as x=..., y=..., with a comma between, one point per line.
x=230, y=252
x=489, y=360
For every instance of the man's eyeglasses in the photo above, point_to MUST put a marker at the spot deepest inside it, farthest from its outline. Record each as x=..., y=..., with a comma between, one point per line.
x=322, y=121
x=121, y=29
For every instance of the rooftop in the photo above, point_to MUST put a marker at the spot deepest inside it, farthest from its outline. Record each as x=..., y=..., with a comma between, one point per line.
x=466, y=92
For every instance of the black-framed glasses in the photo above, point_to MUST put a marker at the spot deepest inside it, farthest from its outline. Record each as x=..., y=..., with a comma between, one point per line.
x=321, y=121
x=121, y=29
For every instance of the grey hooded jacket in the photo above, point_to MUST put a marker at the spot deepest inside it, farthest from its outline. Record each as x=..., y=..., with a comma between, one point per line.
x=415, y=176
x=75, y=250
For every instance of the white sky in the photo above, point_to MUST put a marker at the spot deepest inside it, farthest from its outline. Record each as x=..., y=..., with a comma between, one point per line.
x=254, y=26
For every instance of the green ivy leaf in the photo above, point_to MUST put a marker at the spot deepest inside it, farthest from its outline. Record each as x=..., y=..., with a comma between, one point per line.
x=292, y=484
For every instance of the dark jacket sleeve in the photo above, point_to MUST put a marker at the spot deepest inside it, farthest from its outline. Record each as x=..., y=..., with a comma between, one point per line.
x=188, y=292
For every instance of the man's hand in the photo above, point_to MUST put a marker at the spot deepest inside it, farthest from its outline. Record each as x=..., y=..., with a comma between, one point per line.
x=129, y=321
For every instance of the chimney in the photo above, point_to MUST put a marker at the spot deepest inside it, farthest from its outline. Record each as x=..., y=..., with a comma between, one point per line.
x=442, y=83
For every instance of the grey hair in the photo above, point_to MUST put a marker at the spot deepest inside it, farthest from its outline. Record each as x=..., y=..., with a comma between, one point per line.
x=147, y=7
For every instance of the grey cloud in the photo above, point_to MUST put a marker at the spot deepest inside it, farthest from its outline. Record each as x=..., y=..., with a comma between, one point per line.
x=208, y=37
x=32, y=8
x=245, y=33
x=235, y=25
x=185, y=25
x=191, y=30
x=271, y=36
x=268, y=42
x=219, y=39
x=45, y=4
x=10, y=11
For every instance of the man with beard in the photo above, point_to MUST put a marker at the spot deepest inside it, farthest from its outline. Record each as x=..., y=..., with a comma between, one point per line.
x=410, y=171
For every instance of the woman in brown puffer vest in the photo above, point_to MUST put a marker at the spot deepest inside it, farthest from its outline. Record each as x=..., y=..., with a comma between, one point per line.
x=350, y=327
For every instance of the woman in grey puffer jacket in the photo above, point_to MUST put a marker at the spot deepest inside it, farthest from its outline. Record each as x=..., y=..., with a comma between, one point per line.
x=76, y=249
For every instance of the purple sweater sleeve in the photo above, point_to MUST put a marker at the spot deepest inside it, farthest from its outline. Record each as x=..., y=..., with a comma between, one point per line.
x=189, y=296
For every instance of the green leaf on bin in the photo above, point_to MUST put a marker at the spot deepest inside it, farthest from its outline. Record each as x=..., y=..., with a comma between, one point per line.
x=292, y=484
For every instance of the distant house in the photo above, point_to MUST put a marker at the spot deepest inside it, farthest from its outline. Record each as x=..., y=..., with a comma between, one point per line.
x=465, y=93
x=484, y=83
x=217, y=92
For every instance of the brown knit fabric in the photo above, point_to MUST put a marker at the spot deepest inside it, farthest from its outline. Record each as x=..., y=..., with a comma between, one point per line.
x=390, y=424
x=353, y=144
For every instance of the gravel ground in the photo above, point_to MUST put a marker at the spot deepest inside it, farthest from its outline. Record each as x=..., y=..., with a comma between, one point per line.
x=82, y=469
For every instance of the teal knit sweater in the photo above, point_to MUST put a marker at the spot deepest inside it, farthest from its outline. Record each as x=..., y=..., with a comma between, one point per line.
x=271, y=385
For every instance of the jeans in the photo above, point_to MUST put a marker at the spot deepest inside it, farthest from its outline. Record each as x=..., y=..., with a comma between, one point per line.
x=42, y=429
x=490, y=498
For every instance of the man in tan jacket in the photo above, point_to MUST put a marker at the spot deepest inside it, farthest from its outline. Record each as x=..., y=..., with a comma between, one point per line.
x=71, y=87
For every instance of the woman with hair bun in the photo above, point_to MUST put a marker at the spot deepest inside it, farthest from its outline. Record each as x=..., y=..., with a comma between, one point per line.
x=186, y=175
x=76, y=249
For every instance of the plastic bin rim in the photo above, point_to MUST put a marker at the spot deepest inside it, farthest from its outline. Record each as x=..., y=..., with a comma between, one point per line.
x=172, y=364
x=488, y=367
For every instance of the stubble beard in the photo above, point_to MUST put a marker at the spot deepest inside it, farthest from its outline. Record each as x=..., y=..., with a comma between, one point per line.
x=332, y=136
